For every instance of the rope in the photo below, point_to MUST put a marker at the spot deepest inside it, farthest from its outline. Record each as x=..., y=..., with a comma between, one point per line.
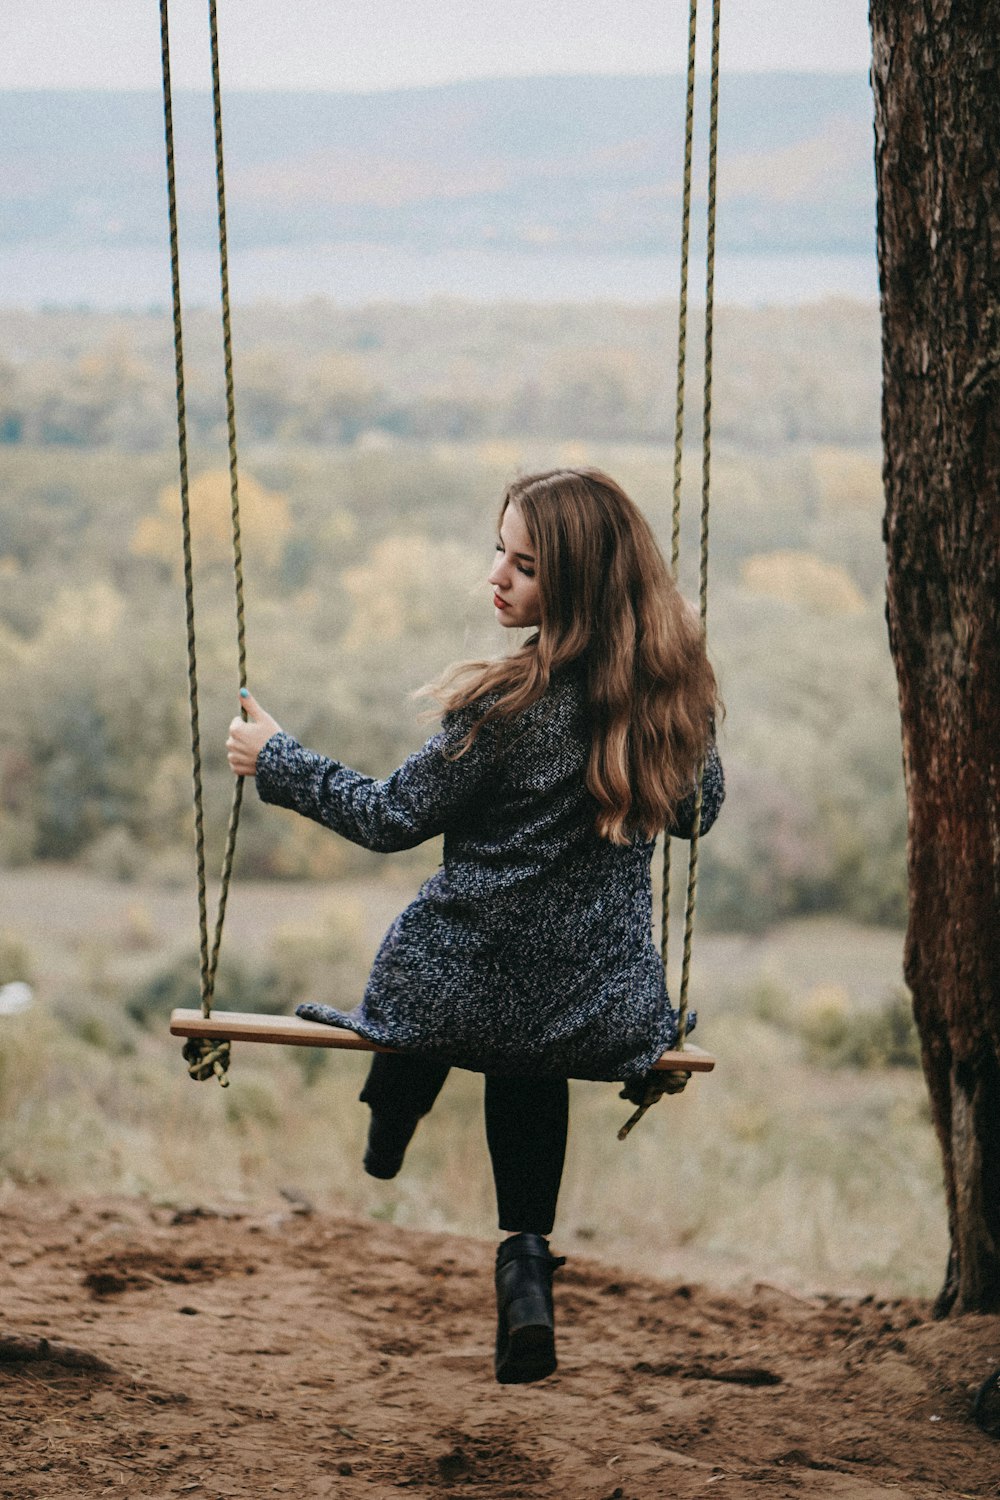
x=234, y=488
x=206, y=1058
x=706, y=471
x=682, y=320
x=675, y=539
x=647, y=1091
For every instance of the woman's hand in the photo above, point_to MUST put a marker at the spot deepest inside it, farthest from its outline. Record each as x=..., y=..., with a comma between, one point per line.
x=247, y=740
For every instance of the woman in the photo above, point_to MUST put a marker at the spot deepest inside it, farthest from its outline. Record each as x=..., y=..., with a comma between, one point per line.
x=529, y=955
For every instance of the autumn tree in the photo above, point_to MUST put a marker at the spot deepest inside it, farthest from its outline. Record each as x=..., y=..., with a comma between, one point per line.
x=937, y=137
x=264, y=518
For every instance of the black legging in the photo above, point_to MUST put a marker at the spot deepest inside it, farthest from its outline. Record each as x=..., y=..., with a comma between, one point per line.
x=526, y=1122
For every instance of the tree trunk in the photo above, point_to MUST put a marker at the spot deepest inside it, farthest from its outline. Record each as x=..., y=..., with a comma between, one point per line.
x=937, y=148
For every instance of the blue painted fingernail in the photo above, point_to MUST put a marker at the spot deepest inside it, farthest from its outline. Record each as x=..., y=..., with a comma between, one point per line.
x=244, y=693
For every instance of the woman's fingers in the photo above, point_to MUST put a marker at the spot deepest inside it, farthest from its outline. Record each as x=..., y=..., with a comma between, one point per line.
x=242, y=761
x=236, y=752
x=246, y=738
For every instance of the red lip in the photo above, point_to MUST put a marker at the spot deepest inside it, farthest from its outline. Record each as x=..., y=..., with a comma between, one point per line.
x=500, y=603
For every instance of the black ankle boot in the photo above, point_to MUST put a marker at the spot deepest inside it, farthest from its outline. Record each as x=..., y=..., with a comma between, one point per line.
x=387, y=1143
x=526, y=1341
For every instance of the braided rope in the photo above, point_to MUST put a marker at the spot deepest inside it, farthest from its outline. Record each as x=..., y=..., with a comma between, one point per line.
x=234, y=490
x=682, y=320
x=652, y=1088
x=192, y=661
x=706, y=469
x=205, y=1058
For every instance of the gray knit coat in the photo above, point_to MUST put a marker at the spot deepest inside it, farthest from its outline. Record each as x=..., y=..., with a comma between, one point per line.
x=530, y=951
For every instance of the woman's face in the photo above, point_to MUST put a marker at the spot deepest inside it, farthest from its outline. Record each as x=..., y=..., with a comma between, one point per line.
x=514, y=578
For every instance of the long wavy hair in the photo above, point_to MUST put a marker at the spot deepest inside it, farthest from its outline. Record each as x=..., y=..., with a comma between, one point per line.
x=609, y=602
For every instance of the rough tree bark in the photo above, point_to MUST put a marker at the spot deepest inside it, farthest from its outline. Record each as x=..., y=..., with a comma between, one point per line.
x=937, y=146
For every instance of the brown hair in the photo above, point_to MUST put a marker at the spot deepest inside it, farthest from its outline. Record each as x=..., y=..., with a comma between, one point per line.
x=609, y=601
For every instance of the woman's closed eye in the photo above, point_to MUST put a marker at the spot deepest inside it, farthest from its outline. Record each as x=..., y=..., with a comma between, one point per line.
x=521, y=567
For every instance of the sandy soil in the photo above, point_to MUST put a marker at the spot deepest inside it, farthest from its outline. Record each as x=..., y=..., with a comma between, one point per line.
x=203, y=1353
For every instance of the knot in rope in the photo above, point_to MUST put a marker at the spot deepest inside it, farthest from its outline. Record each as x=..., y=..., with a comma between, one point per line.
x=648, y=1089
x=207, y=1057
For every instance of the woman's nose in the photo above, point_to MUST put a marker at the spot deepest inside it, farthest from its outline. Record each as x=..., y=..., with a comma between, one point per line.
x=498, y=575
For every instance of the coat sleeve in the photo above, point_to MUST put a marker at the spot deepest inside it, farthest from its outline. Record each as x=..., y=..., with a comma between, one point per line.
x=419, y=800
x=713, y=794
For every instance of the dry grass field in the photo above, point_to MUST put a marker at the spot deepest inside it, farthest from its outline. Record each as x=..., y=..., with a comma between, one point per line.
x=780, y=1165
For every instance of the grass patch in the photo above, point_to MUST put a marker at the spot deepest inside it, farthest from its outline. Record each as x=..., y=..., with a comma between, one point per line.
x=807, y=1156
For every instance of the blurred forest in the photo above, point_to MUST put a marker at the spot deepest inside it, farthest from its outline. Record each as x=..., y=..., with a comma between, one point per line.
x=376, y=443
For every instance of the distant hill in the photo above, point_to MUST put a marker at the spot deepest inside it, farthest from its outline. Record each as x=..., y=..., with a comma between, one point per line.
x=569, y=165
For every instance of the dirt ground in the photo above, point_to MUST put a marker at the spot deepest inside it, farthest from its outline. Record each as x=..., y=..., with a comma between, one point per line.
x=195, y=1352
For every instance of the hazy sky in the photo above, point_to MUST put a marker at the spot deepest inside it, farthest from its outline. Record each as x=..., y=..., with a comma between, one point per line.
x=370, y=44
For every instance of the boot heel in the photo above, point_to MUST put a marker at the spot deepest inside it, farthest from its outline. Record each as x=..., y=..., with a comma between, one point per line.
x=530, y=1355
x=531, y=1311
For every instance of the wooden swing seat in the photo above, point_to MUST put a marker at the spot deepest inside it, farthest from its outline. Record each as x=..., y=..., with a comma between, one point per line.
x=292, y=1031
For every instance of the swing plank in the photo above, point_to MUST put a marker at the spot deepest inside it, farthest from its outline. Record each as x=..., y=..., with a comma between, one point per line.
x=292, y=1031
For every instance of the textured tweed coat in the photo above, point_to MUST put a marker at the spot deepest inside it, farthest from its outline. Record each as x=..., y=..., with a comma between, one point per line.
x=530, y=951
